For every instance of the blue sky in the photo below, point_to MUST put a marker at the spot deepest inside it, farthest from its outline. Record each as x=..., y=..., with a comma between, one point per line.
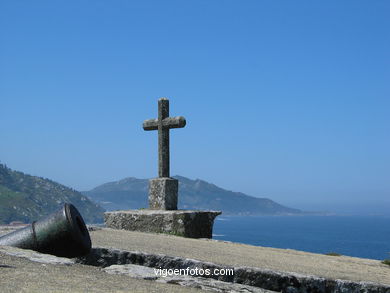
x=283, y=99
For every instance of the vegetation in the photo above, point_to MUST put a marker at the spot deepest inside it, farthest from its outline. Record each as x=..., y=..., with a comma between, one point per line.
x=27, y=198
x=333, y=254
x=386, y=262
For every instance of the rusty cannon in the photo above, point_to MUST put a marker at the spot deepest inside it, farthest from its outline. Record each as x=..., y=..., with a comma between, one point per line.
x=62, y=233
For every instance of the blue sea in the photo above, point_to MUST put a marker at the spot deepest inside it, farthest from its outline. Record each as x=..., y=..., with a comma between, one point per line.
x=359, y=236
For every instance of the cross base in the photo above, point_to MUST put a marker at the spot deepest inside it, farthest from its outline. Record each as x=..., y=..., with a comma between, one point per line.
x=163, y=193
x=185, y=223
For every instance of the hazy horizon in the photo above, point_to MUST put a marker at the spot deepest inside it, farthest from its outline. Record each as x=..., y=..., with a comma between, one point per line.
x=284, y=100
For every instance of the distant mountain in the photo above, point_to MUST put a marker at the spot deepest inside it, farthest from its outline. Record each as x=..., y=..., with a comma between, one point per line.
x=28, y=198
x=132, y=193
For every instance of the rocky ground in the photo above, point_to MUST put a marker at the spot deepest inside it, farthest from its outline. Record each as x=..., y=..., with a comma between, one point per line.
x=22, y=273
x=123, y=261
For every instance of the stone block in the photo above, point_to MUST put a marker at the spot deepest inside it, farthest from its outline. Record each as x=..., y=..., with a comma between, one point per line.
x=163, y=193
x=192, y=224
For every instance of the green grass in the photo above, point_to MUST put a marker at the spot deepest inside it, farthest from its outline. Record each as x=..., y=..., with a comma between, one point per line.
x=386, y=262
x=333, y=254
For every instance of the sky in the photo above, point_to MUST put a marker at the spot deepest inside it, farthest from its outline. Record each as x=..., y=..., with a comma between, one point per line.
x=288, y=100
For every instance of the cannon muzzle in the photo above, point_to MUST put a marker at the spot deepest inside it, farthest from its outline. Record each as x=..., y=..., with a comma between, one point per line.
x=62, y=234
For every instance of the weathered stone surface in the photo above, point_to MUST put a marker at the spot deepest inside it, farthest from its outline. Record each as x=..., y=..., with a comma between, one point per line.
x=253, y=277
x=147, y=273
x=286, y=282
x=170, y=122
x=134, y=271
x=163, y=193
x=163, y=124
x=193, y=224
x=20, y=274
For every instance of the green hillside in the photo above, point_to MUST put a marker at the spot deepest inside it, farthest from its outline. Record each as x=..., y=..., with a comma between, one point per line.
x=28, y=198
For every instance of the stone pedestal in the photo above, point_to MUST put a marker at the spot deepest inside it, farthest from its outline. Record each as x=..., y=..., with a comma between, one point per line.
x=193, y=224
x=163, y=193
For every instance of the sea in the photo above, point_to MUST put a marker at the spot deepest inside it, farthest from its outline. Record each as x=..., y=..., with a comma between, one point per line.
x=358, y=236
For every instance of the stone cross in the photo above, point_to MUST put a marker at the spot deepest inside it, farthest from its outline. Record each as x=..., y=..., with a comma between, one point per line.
x=163, y=190
x=163, y=124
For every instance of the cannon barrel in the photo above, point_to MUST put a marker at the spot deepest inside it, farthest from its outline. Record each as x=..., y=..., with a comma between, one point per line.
x=62, y=233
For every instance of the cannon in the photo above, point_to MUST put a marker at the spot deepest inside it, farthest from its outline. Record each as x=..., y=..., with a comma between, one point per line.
x=62, y=233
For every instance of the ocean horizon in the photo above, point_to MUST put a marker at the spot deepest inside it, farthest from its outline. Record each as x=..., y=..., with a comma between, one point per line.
x=357, y=236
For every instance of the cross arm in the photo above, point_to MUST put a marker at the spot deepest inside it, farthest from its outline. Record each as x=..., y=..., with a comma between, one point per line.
x=170, y=122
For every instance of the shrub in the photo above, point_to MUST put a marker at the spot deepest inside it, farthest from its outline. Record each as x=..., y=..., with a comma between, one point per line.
x=333, y=254
x=386, y=262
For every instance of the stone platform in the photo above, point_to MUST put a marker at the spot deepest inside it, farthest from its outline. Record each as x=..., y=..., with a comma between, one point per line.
x=124, y=260
x=186, y=223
